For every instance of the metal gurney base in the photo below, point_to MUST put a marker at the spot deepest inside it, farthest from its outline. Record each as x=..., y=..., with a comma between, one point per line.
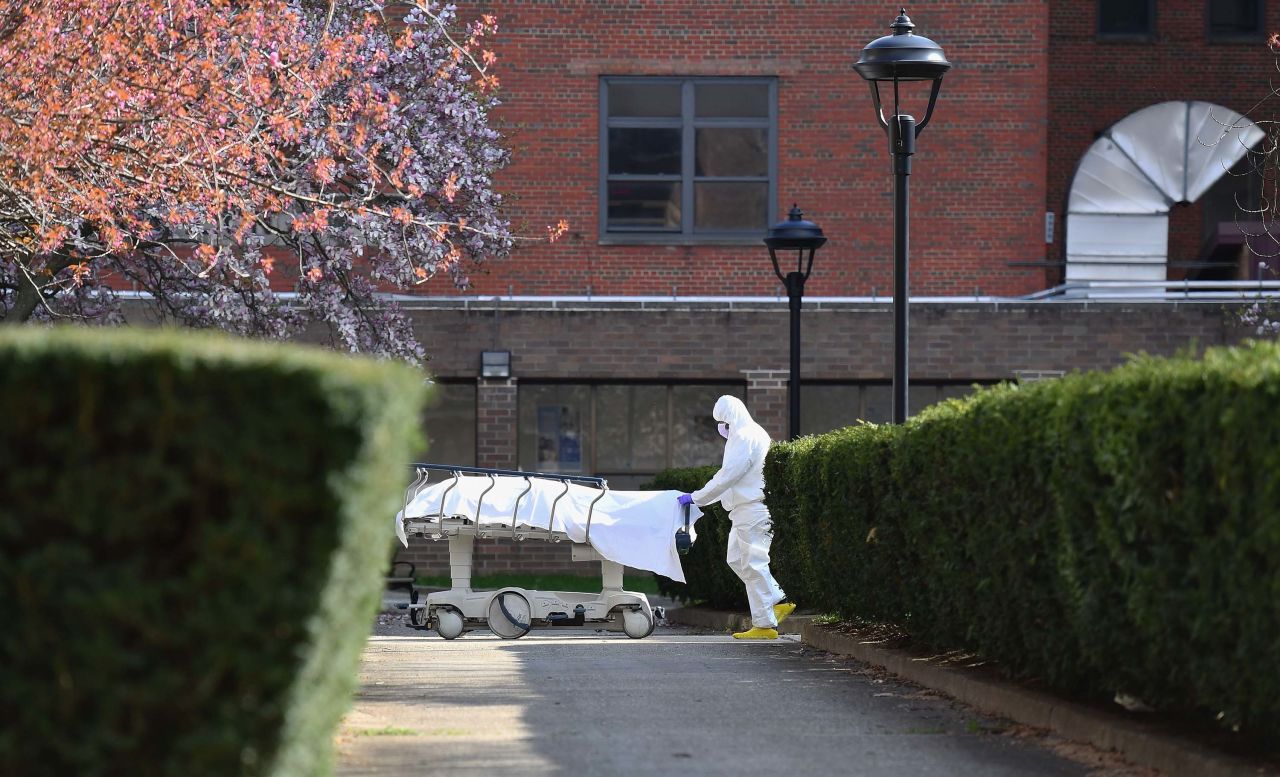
x=512, y=612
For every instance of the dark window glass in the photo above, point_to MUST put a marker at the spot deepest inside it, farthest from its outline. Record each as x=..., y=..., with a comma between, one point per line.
x=624, y=432
x=1125, y=17
x=877, y=404
x=644, y=151
x=731, y=100
x=450, y=424
x=919, y=397
x=694, y=439
x=630, y=98
x=631, y=428
x=733, y=206
x=555, y=428
x=957, y=390
x=1235, y=18
x=827, y=407
x=644, y=205
x=824, y=407
x=732, y=151
x=700, y=146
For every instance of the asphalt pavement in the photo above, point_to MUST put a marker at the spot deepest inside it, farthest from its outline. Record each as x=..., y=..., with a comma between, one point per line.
x=676, y=703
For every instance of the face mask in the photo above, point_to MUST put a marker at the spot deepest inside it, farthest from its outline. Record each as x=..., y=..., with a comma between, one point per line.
x=723, y=428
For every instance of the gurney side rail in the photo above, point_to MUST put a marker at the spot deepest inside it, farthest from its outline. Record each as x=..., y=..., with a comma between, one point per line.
x=422, y=475
x=528, y=486
x=599, y=482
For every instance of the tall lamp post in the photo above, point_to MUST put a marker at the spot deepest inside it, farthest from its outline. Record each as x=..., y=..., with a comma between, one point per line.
x=902, y=56
x=804, y=237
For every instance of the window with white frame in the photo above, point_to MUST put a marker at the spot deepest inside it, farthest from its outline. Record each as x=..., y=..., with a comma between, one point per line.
x=687, y=159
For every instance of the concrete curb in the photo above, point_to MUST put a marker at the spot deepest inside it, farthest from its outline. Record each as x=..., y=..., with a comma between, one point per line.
x=1138, y=742
x=719, y=620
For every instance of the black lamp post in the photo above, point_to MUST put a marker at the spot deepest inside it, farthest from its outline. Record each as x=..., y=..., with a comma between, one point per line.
x=902, y=56
x=804, y=237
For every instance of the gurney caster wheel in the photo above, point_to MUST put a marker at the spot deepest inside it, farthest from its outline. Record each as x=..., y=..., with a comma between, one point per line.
x=510, y=615
x=448, y=622
x=636, y=624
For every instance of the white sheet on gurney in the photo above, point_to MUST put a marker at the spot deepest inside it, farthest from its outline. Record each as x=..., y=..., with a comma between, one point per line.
x=633, y=528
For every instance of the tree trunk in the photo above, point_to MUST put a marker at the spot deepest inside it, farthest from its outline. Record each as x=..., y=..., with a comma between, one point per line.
x=28, y=297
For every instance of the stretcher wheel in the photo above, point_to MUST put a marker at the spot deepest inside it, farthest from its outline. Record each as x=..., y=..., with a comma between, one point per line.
x=636, y=624
x=448, y=622
x=510, y=615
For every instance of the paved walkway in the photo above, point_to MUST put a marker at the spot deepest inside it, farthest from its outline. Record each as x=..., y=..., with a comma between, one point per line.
x=582, y=704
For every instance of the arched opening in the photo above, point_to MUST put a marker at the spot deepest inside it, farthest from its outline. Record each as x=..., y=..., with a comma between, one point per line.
x=1133, y=175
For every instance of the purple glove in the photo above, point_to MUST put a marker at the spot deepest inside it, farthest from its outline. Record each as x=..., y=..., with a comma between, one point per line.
x=684, y=499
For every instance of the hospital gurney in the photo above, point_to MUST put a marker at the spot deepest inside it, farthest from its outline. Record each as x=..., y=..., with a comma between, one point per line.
x=642, y=529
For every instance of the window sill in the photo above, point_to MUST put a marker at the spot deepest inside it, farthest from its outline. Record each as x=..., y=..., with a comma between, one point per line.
x=1252, y=39
x=681, y=240
x=1126, y=38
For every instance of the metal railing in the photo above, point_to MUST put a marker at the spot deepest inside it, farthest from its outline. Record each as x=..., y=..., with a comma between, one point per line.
x=1159, y=290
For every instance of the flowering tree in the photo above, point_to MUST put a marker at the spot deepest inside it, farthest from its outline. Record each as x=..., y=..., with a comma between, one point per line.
x=1261, y=233
x=200, y=149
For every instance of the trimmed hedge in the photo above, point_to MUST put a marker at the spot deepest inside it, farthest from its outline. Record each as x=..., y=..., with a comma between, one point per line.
x=192, y=537
x=1104, y=532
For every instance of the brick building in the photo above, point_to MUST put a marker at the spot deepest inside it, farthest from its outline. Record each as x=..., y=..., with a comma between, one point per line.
x=671, y=134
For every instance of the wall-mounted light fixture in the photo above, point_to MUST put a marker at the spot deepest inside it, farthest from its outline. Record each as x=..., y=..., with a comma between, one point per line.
x=495, y=364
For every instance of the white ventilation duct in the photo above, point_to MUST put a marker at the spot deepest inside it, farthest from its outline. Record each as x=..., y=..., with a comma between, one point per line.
x=1118, y=211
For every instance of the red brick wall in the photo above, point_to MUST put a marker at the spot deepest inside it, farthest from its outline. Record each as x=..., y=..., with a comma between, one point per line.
x=978, y=184
x=841, y=341
x=495, y=422
x=767, y=399
x=1093, y=84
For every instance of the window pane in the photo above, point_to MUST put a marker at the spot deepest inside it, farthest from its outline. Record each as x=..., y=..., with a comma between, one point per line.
x=554, y=429
x=644, y=151
x=956, y=390
x=631, y=428
x=694, y=439
x=724, y=151
x=635, y=99
x=640, y=204
x=733, y=206
x=1124, y=17
x=450, y=424
x=1233, y=17
x=729, y=99
x=824, y=408
x=877, y=404
x=919, y=397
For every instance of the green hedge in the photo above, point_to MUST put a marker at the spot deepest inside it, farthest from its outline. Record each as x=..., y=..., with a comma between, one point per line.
x=192, y=535
x=1104, y=532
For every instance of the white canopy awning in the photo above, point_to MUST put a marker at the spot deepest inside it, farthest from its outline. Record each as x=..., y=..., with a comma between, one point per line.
x=1117, y=212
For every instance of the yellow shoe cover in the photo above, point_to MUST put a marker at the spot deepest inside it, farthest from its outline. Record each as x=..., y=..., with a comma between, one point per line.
x=781, y=611
x=757, y=633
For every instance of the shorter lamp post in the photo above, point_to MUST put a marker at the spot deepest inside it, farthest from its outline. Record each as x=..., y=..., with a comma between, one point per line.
x=804, y=237
x=902, y=56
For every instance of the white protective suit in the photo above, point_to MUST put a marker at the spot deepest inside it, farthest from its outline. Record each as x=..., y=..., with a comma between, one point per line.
x=739, y=487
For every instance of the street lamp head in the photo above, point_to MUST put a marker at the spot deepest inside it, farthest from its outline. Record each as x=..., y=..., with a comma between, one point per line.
x=798, y=234
x=902, y=56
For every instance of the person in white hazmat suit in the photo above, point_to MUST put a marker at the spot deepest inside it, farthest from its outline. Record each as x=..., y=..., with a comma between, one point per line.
x=739, y=487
